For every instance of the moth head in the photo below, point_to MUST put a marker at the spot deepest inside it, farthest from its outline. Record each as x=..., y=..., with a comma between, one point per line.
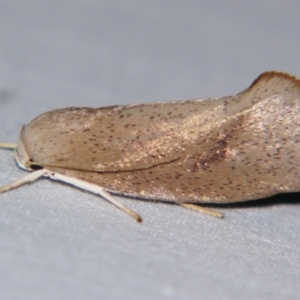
x=22, y=158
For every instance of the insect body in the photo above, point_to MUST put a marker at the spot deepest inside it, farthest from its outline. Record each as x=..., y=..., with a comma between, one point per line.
x=220, y=150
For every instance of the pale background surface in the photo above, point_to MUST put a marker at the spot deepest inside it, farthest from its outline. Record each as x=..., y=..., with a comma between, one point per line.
x=57, y=242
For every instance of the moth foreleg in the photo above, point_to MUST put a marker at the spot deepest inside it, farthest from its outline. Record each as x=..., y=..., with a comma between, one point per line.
x=33, y=176
x=202, y=210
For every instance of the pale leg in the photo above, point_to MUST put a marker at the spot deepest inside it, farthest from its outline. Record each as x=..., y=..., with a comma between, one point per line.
x=73, y=181
x=202, y=209
x=93, y=188
x=33, y=176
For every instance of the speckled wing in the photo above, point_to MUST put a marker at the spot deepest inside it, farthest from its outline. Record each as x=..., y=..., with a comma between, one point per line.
x=119, y=138
x=216, y=150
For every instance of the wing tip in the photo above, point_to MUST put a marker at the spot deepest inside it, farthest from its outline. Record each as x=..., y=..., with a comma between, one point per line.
x=268, y=75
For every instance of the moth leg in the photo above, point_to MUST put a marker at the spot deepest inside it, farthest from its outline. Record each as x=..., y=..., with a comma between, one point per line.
x=93, y=188
x=202, y=209
x=33, y=176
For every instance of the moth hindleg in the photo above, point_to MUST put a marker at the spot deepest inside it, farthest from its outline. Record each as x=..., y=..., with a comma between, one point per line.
x=203, y=210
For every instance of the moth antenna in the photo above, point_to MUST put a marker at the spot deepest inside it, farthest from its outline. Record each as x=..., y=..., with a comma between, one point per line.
x=33, y=176
x=93, y=188
x=8, y=146
x=203, y=210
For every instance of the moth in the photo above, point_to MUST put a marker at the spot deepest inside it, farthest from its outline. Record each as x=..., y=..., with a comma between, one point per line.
x=216, y=150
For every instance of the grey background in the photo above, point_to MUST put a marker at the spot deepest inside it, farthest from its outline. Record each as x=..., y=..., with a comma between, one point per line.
x=57, y=242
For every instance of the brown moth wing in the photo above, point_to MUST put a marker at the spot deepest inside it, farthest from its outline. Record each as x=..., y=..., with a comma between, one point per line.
x=249, y=150
x=119, y=138
x=123, y=138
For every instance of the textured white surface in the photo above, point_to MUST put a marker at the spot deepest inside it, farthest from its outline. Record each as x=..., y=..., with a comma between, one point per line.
x=57, y=242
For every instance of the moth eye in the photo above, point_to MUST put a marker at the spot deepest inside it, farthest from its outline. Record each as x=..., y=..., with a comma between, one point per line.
x=35, y=167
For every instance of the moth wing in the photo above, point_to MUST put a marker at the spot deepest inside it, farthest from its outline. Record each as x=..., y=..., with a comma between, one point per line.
x=252, y=153
x=118, y=138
